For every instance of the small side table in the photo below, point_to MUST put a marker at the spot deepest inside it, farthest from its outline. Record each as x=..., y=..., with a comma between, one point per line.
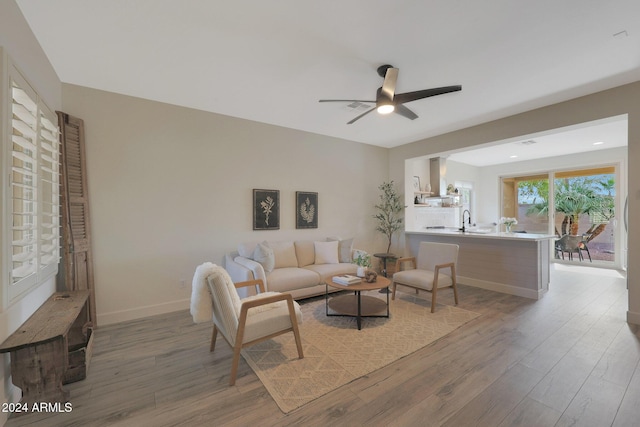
x=384, y=257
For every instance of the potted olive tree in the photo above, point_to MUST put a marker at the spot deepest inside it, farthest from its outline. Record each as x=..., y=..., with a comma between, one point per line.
x=388, y=211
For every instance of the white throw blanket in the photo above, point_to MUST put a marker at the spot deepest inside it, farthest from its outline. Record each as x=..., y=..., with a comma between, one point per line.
x=201, y=308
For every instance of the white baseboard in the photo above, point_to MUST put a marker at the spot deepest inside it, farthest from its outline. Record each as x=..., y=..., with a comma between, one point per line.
x=502, y=288
x=633, y=317
x=140, y=312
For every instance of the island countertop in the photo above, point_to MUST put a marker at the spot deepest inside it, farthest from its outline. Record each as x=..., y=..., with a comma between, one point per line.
x=513, y=263
x=482, y=233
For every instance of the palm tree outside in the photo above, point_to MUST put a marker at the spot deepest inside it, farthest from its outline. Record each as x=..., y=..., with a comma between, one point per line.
x=586, y=204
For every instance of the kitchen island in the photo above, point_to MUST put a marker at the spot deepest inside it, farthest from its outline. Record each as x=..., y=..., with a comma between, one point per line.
x=511, y=263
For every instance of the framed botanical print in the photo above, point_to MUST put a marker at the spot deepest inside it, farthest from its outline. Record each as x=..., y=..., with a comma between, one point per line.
x=416, y=183
x=266, y=209
x=306, y=209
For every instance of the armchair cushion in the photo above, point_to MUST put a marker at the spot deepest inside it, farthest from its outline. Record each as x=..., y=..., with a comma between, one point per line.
x=422, y=279
x=226, y=302
x=268, y=319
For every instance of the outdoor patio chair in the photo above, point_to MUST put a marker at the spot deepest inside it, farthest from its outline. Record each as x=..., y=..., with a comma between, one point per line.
x=572, y=244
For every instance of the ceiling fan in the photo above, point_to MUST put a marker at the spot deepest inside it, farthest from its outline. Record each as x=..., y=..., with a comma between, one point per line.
x=387, y=101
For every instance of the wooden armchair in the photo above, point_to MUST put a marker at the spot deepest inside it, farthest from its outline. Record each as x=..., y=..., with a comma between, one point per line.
x=244, y=322
x=425, y=274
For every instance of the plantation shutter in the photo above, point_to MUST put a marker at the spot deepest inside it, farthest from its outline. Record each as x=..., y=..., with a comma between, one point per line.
x=24, y=187
x=49, y=249
x=76, y=232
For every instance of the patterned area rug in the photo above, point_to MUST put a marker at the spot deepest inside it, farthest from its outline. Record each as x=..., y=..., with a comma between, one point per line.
x=336, y=352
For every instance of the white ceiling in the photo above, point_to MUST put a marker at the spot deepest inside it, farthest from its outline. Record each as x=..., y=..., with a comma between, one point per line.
x=270, y=61
x=599, y=135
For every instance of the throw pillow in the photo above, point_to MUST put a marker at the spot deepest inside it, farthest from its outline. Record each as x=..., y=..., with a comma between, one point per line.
x=284, y=253
x=246, y=249
x=326, y=252
x=305, y=253
x=264, y=255
x=345, y=248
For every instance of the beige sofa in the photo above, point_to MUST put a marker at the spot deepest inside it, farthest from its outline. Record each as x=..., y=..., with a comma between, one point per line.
x=296, y=267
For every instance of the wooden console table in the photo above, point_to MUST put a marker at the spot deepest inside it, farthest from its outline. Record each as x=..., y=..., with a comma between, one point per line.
x=46, y=348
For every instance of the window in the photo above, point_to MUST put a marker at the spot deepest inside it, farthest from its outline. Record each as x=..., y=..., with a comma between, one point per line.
x=578, y=202
x=33, y=215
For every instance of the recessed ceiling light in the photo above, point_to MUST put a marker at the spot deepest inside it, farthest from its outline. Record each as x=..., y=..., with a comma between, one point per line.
x=598, y=143
x=513, y=156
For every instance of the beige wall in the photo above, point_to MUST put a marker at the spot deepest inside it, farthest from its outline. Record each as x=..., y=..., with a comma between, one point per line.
x=171, y=187
x=613, y=102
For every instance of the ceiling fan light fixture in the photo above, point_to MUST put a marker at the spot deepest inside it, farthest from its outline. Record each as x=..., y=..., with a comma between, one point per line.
x=388, y=101
x=386, y=108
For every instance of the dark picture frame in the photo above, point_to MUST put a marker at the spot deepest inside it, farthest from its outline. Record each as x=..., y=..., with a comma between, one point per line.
x=306, y=209
x=266, y=209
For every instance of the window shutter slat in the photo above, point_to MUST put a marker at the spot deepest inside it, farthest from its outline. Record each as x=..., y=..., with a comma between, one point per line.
x=50, y=191
x=24, y=187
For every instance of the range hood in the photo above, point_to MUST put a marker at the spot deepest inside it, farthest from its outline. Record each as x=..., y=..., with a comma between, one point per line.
x=437, y=176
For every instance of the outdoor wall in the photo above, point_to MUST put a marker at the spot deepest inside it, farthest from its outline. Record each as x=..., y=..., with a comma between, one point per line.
x=613, y=102
x=172, y=187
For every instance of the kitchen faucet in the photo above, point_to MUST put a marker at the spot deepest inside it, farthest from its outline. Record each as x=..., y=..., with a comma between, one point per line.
x=465, y=212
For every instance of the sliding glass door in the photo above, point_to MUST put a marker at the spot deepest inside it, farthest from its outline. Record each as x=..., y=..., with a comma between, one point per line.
x=584, y=204
x=578, y=206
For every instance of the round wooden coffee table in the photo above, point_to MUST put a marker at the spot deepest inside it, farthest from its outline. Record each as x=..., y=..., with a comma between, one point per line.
x=357, y=305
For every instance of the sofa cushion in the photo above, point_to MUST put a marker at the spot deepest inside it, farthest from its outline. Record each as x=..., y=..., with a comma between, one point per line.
x=345, y=247
x=284, y=253
x=326, y=252
x=326, y=271
x=264, y=255
x=305, y=252
x=285, y=279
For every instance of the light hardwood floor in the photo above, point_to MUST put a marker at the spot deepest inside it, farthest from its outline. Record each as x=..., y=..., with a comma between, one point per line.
x=568, y=359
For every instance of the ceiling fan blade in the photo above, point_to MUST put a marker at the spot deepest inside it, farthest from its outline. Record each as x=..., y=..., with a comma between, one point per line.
x=405, y=112
x=389, y=85
x=361, y=116
x=401, y=98
x=345, y=100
